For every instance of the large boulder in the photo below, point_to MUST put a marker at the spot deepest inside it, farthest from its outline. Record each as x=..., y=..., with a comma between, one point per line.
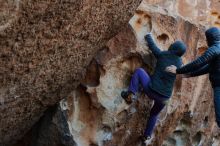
x=93, y=113
x=96, y=114
x=45, y=48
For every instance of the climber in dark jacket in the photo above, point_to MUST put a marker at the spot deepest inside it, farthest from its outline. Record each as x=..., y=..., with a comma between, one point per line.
x=209, y=62
x=160, y=85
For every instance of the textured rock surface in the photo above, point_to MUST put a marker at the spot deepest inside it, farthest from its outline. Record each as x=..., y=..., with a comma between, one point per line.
x=45, y=48
x=39, y=71
x=51, y=130
x=98, y=115
x=204, y=12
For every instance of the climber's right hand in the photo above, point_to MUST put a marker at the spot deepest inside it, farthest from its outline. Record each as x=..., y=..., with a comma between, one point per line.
x=171, y=69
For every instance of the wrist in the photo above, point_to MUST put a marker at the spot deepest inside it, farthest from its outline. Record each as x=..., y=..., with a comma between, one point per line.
x=177, y=71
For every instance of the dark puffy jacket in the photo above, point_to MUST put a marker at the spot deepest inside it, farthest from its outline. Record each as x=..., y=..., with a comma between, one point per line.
x=209, y=62
x=161, y=81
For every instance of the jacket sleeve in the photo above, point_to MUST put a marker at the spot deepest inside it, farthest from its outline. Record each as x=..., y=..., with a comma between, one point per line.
x=201, y=71
x=199, y=62
x=152, y=45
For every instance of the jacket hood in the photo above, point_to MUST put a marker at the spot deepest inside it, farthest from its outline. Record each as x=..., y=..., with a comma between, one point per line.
x=178, y=48
x=213, y=36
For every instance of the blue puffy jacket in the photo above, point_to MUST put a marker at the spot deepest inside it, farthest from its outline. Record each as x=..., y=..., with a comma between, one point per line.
x=209, y=62
x=161, y=81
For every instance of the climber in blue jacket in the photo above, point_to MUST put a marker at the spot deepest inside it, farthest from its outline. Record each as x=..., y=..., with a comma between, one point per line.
x=209, y=62
x=159, y=86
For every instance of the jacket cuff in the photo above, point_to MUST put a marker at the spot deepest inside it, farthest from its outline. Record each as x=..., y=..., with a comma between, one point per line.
x=178, y=71
x=149, y=34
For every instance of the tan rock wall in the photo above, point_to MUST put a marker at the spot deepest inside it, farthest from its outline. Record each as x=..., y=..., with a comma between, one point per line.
x=203, y=12
x=120, y=124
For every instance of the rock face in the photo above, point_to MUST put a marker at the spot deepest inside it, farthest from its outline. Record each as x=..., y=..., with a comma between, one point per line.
x=45, y=48
x=203, y=12
x=96, y=113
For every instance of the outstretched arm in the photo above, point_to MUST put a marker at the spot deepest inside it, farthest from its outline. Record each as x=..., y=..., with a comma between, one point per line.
x=201, y=71
x=199, y=62
x=152, y=45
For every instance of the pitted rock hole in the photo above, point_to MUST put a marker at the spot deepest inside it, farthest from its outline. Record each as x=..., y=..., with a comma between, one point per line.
x=92, y=75
x=142, y=24
x=214, y=13
x=202, y=49
x=139, y=12
x=217, y=24
x=178, y=138
x=163, y=38
x=92, y=144
x=206, y=120
x=197, y=139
